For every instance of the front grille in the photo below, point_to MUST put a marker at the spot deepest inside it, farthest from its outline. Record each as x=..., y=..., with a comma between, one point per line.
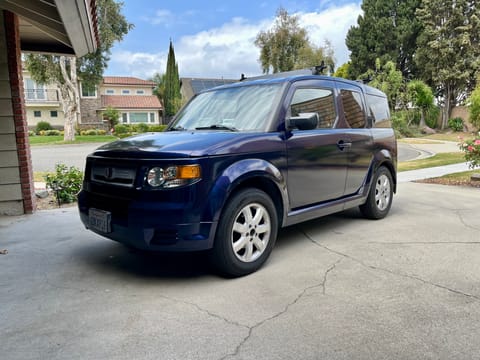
x=118, y=207
x=113, y=175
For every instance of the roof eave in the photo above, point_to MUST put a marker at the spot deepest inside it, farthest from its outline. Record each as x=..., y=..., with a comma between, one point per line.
x=76, y=16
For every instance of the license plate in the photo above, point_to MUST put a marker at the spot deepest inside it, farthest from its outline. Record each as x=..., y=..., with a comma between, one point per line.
x=99, y=220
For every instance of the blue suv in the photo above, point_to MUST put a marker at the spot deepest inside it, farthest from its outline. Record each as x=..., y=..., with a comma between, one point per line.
x=241, y=161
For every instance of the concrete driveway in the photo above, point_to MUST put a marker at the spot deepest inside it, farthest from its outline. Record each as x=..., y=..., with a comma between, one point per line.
x=340, y=287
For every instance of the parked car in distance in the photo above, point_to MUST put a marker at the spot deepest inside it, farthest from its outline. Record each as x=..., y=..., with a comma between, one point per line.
x=241, y=161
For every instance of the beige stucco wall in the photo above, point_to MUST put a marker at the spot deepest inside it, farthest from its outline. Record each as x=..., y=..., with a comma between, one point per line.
x=46, y=116
x=11, y=202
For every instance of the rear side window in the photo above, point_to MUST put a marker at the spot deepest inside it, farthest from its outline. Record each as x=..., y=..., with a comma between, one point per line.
x=378, y=110
x=315, y=100
x=353, y=108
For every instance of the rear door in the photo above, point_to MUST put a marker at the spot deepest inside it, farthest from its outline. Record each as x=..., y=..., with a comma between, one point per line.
x=317, y=162
x=358, y=136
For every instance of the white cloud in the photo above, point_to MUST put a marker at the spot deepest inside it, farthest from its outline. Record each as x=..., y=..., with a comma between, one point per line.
x=229, y=50
x=332, y=24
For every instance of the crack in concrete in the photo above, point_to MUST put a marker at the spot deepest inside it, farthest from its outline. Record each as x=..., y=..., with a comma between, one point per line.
x=462, y=220
x=322, y=284
x=358, y=261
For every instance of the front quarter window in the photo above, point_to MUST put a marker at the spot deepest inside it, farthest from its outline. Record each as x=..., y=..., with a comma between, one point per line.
x=241, y=108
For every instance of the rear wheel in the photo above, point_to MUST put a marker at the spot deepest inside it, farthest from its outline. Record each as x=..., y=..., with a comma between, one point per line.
x=246, y=233
x=380, y=196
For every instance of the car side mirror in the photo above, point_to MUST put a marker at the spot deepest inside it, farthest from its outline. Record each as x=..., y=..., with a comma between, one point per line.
x=304, y=121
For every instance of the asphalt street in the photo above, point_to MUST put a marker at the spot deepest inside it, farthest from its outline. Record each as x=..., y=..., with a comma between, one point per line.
x=44, y=158
x=340, y=287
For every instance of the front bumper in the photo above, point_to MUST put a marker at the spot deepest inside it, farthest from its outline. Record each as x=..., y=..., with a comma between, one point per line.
x=150, y=225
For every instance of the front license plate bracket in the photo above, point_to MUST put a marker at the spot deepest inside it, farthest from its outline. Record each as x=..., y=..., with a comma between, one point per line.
x=100, y=220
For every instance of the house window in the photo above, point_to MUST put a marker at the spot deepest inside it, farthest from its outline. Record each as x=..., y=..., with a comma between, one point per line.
x=110, y=91
x=37, y=113
x=125, y=92
x=54, y=113
x=138, y=117
x=34, y=91
x=152, y=117
x=88, y=90
x=124, y=118
x=140, y=92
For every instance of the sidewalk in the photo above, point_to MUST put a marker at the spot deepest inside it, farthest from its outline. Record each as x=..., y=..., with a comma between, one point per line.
x=427, y=173
x=429, y=149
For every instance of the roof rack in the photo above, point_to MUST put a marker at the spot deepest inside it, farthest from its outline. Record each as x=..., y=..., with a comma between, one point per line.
x=316, y=70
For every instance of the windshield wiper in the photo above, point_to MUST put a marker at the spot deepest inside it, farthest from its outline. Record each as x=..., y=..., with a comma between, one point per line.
x=216, y=127
x=177, y=128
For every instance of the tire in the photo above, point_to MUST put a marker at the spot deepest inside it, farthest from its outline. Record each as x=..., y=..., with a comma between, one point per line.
x=246, y=233
x=380, y=196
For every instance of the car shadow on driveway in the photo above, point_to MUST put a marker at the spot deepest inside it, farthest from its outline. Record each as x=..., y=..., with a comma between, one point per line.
x=106, y=256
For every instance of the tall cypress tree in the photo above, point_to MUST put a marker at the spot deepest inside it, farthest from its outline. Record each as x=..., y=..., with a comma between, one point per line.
x=172, y=98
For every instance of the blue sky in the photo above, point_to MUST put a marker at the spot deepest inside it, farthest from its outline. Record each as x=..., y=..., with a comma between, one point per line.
x=215, y=38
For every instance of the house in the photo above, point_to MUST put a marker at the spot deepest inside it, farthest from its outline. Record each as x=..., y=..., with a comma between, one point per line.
x=189, y=87
x=133, y=97
x=42, y=102
x=54, y=26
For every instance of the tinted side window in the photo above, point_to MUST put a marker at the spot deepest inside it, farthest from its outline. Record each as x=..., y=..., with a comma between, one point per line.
x=353, y=108
x=378, y=109
x=320, y=101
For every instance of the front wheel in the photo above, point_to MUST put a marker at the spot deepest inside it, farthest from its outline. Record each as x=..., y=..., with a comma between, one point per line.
x=246, y=233
x=379, y=198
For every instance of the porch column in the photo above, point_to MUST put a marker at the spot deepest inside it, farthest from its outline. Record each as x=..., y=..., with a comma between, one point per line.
x=17, y=195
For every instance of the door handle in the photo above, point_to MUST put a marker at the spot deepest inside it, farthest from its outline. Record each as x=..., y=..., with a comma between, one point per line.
x=342, y=145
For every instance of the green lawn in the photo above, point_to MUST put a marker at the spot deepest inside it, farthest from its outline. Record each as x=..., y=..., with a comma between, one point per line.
x=58, y=140
x=436, y=160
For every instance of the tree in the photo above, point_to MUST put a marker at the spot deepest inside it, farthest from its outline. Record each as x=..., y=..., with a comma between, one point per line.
x=388, y=31
x=449, y=49
x=422, y=97
x=286, y=47
x=474, y=106
x=172, y=98
x=343, y=71
x=386, y=78
x=159, y=89
x=63, y=70
x=112, y=115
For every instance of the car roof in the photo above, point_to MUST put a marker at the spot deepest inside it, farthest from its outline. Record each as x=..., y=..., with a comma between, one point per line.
x=298, y=75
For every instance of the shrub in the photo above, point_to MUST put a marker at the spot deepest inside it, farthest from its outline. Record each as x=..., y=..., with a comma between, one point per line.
x=121, y=129
x=90, y=132
x=66, y=182
x=43, y=126
x=471, y=148
x=456, y=124
x=52, y=133
x=400, y=124
x=31, y=133
x=140, y=128
x=157, y=128
x=101, y=132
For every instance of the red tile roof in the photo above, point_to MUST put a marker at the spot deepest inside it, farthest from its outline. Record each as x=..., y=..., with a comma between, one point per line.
x=126, y=80
x=131, y=101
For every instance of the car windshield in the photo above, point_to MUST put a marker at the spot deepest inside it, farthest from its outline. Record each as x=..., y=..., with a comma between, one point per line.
x=242, y=108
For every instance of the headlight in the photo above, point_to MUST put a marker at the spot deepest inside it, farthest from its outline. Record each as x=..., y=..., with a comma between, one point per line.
x=155, y=177
x=173, y=176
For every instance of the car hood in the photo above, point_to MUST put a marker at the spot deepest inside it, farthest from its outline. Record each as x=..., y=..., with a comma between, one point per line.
x=182, y=144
